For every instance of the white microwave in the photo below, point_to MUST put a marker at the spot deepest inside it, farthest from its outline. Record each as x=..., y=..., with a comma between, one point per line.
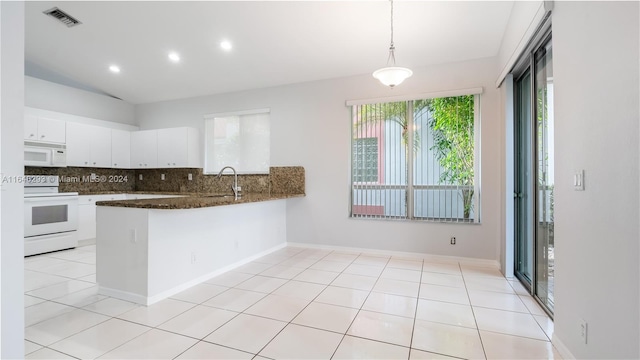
x=45, y=154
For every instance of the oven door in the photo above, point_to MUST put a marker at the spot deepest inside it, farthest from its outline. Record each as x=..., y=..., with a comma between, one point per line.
x=50, y=214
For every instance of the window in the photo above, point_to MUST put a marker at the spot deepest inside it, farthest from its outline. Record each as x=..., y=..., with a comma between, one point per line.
x=365, y=160
x=416, y=160
x=241, y=140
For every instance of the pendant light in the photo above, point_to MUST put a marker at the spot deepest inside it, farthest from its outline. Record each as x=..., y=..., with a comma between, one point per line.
x=392, y=75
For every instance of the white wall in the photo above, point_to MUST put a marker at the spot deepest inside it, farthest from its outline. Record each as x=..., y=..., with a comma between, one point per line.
x=524, y=19
x=596, y=75
x=47, y=95
x=11, y=194
x=311, y=127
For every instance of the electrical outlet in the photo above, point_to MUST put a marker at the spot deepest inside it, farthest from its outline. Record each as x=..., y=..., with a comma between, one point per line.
x=584, y=327
x=140, y=177
x=162, y=177
x=190, y=177
x=453, y=240
x=578, y=180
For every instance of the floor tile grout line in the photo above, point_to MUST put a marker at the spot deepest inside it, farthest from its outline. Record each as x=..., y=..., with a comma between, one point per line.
x=517, y=336
x=484, y=351
x=286, y=281
x=58, y=351
x=415, y=313
x=359, y=310
x=66, y=337
x=290, y=321
x=271, y=293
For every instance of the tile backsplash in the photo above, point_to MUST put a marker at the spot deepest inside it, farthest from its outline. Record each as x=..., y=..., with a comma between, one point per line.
x=281, y=180
x=80, y=179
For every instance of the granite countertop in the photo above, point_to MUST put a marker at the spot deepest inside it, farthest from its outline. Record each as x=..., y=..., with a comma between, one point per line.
x=109, y=192
x=194, y=201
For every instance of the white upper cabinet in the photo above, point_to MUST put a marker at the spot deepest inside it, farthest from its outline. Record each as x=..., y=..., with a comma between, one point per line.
x=88, y=145
x=178, y=147
x=144, y=149
x=120, y=149
x=38, y=128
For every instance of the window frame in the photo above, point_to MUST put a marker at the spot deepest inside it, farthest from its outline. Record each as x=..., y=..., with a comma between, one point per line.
x=410, y=186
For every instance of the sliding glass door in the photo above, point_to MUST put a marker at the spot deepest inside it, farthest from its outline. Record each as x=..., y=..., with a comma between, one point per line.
x=524, y=196
x=534, y=175
x=545, y=153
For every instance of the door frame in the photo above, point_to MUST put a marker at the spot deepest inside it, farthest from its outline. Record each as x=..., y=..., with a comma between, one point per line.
x=526, y=64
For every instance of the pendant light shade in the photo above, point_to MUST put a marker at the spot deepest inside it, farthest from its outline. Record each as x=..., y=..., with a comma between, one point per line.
x=392, y=75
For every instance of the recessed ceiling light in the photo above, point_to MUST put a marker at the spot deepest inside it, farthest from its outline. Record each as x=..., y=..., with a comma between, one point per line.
x=114, y=69
x=226, y=45
x=173, y=56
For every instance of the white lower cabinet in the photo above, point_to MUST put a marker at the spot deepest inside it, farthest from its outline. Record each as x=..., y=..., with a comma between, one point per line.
x=87, y=213
x=87, y=210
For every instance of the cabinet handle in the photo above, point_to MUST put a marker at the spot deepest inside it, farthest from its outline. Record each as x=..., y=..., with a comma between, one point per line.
x=169, y=164
x=94, y=163
x=174, y=164
x=32, y=135
x=41, y=136
x=115, y=164
x=86, y=162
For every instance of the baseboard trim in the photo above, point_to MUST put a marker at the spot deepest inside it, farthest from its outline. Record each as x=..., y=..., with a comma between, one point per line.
x=150, y=300
x=87, y=242
x=561, y=347
x=123, y=295
x=435, y=258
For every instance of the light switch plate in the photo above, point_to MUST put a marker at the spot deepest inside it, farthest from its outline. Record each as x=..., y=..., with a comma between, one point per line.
x=162, y=177
x=578, y=180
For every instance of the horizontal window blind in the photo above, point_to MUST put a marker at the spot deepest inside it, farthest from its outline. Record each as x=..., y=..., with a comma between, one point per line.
x=239, y=140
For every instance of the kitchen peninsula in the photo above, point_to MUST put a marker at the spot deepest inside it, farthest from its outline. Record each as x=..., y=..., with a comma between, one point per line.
x=150, y=249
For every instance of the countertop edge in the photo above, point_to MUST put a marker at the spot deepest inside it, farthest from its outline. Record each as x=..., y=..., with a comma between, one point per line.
x=194, y=201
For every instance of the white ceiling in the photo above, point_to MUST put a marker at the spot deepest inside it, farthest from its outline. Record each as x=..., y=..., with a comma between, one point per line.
x=275, y=43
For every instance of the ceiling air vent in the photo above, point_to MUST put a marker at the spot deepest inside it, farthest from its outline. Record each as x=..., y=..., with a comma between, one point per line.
x=62, y=16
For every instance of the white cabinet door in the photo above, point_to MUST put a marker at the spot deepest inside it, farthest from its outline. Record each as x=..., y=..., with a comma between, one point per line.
x=120, y=149
x=100, y=138
x=172, y=147
x=87, y=213
x=178, y=147
x=78, y=144
x=41, y=129
x=193, y=149
x=30, y=127
x=144, y=149
x=88, y=145
x=50, y=130
x=87, y=219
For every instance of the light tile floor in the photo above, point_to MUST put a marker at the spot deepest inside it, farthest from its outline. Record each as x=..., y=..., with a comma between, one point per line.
x=296, y=303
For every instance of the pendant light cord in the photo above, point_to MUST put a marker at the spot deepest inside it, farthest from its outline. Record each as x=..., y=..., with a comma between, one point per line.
x=392, y=48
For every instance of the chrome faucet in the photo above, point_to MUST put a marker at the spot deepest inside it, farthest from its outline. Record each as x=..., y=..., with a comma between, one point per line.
x=236, y=189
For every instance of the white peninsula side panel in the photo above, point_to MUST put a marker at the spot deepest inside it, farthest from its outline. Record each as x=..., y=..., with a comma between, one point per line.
x=146, y=255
